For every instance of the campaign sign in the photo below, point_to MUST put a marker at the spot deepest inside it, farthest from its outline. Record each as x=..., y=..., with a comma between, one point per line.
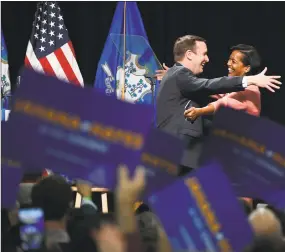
x=55, y=124
x=160, y=157
x=250, y=150
x=86, y=140
x=275, y=198
x=201, y=213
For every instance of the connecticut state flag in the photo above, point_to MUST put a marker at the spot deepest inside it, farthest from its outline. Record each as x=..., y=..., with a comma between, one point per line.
x=5, y=81
x=128, y=63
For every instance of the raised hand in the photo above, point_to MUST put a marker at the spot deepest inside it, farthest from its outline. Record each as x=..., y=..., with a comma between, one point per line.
x=265, y=81
x=160, y=73
x=130, y=188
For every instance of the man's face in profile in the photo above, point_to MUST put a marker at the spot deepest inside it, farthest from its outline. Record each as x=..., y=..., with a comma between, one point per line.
x=199, y=57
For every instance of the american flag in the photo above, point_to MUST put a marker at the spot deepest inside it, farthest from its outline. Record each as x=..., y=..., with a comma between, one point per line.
x=50, y=50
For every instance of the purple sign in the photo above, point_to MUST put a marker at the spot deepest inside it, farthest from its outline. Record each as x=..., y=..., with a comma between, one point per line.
x=161, y=155
x=204, y=214
x=275, y=198
x=73, y=128
x=86, y=139
x=250, y=150
x=11, y=177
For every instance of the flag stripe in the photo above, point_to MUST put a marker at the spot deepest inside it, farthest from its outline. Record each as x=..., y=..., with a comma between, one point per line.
x=27, y=63
x=34, y=62
x=71, y=48
x=67, y=50
x=65, y=66
x=60, y=74
x=46, y=66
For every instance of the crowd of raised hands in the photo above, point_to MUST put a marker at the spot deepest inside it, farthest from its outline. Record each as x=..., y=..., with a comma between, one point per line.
x=85, y=229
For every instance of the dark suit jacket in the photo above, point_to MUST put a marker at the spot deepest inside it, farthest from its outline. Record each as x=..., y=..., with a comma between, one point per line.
x=180, y=85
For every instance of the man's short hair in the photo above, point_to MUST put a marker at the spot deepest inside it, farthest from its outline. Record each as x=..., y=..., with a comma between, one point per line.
x=185, y=43
x=54, y=195
x=250, y=57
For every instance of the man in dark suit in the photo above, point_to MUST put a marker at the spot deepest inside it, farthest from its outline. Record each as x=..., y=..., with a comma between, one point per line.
x=180, y=85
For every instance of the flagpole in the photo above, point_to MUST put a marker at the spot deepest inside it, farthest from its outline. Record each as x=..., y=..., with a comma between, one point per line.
x=124, y=56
